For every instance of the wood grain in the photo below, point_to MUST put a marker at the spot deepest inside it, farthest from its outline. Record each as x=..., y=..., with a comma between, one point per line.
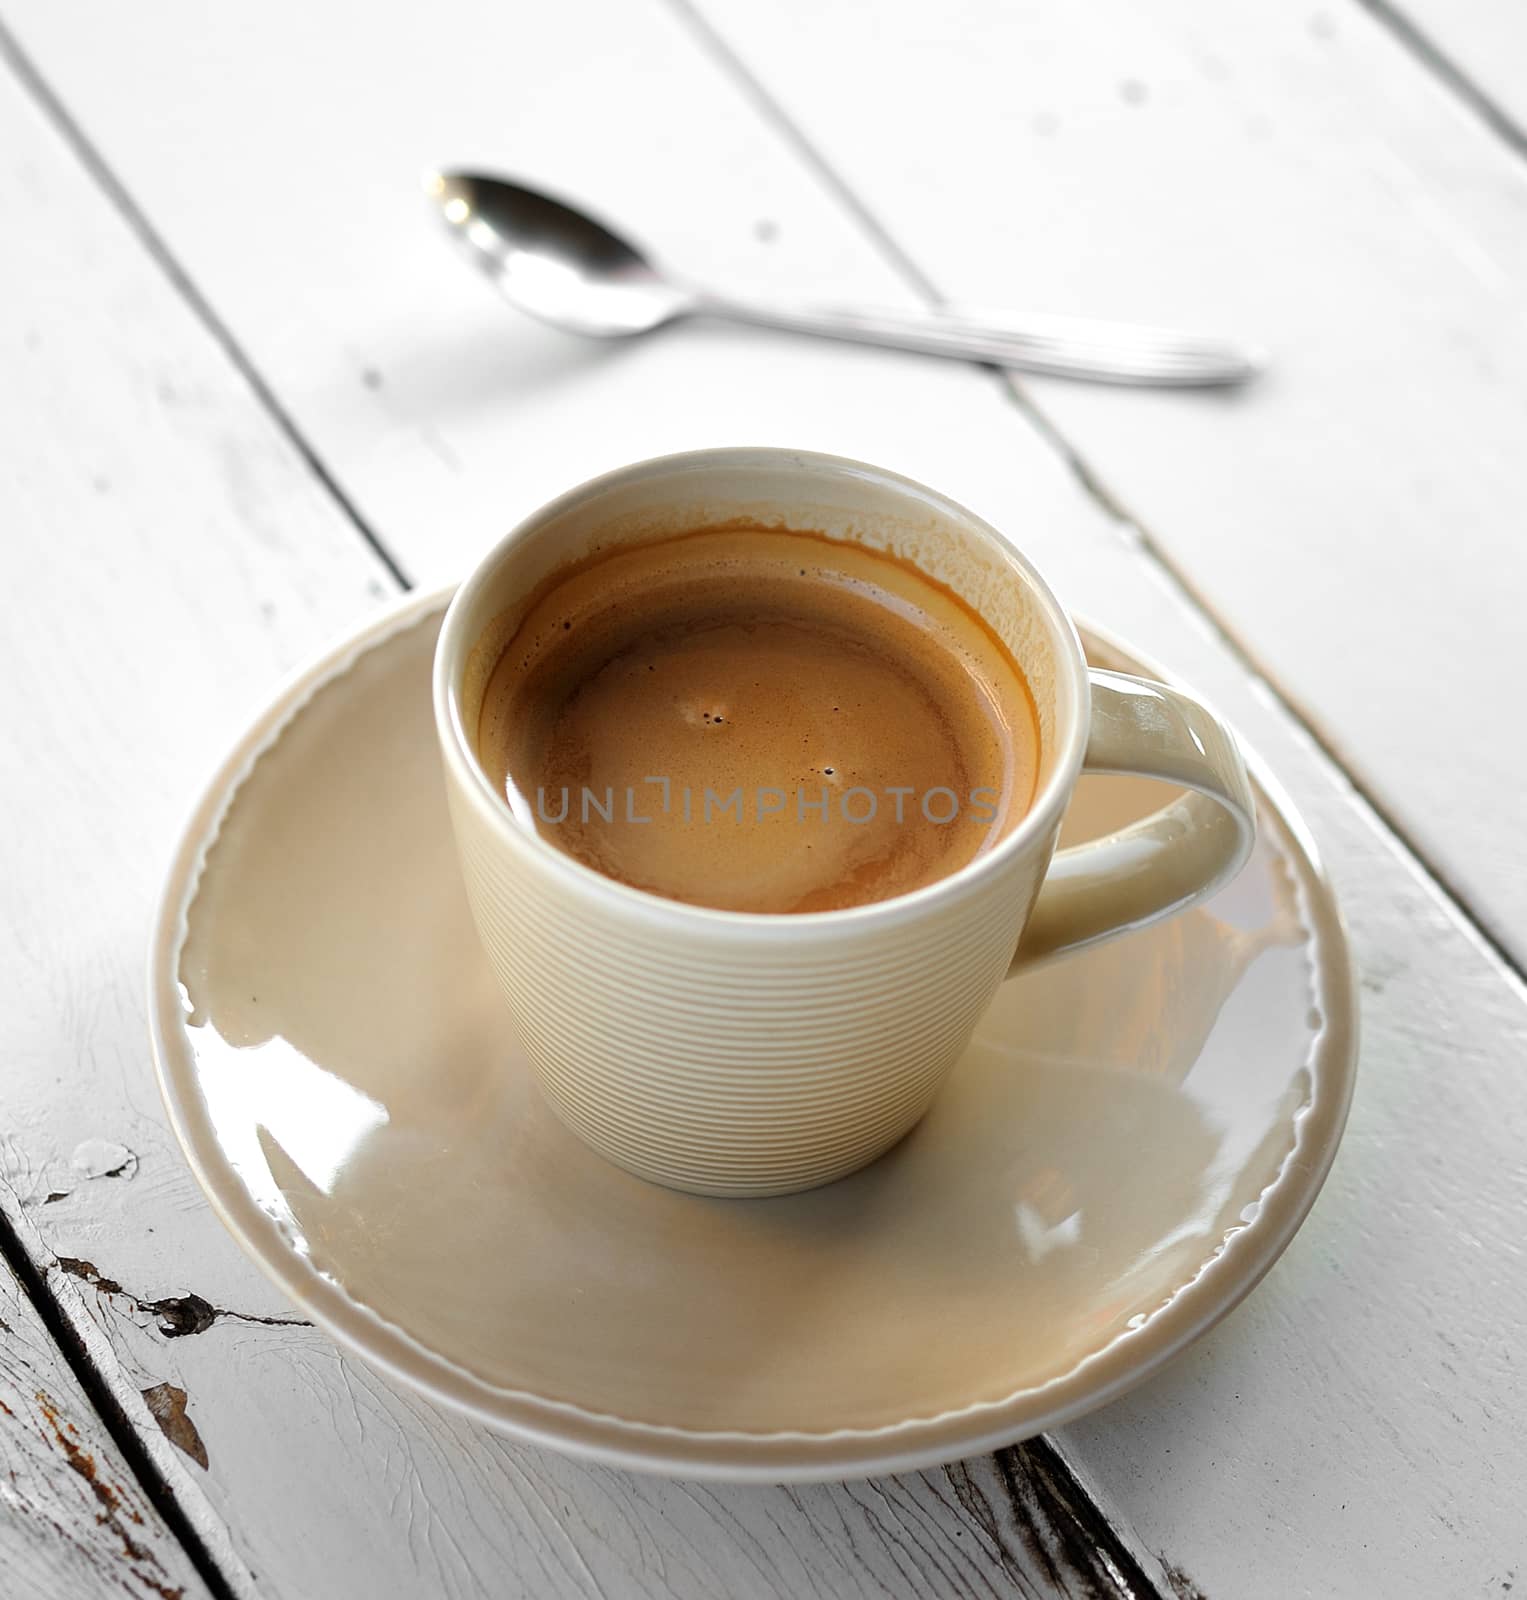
x=74, y=1520
x=1294, y=176
x=1285, y=1455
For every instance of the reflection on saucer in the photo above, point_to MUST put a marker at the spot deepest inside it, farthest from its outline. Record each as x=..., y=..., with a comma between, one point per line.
x=276, y=1105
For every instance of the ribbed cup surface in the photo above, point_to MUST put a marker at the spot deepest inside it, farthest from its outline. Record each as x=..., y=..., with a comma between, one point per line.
x=747, y=1055
x=720, y=1058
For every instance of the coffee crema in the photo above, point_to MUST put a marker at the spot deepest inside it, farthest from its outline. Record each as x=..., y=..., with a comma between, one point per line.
x=759, y=719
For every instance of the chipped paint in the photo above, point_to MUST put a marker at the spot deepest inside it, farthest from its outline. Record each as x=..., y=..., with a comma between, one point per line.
x=178, y=1315
x=92, y=1160
x=116, y=1511
x=168, y=1404
x=1181, y=1585
x=103, y=1158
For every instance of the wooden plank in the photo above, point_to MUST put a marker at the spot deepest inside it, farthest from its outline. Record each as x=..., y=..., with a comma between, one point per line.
x=1270, y=1429
x=1294, y=177
x=74, y=1520
x=182, y=553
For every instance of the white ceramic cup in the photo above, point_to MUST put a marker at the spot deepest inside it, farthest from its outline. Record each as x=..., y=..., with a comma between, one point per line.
x=734, y=1053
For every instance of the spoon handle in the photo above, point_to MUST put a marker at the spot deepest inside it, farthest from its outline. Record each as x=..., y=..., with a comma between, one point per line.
x=1064, y=347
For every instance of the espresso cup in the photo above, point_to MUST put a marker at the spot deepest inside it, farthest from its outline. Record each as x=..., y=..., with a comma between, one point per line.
x=736, y=1053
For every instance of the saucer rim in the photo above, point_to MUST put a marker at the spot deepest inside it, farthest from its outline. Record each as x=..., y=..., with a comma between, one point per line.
x=1239, y=1263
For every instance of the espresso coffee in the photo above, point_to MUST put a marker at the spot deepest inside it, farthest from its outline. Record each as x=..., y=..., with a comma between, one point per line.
x=759, y=720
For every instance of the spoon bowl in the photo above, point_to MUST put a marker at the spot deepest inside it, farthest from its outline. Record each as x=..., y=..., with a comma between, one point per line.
x=556, y=263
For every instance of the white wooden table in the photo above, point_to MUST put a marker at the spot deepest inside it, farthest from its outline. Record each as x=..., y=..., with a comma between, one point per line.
x=245, y=394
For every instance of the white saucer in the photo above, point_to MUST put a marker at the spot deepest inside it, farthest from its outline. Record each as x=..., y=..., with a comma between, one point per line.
x=1129, y=1144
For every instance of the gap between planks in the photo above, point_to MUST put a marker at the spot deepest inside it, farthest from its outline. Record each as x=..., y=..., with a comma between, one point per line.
x=1434, y=60
x=102, y=174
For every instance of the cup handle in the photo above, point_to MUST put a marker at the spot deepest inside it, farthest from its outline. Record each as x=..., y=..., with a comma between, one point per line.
x=1165, y=862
